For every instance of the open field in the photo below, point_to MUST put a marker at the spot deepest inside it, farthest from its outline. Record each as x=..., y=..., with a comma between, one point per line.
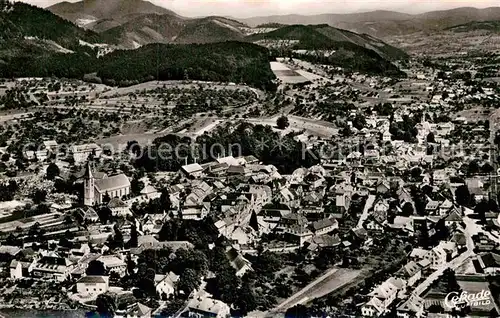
x=286, y=74
x=329, y=282
x=310, y=126
x=179, y=84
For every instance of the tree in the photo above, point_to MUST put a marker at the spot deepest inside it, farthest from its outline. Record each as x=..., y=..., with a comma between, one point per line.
x=106, y=198
x=431, y=138
x=473, y=167
x=407, y=209
x=136, y=186
x=95, y=268
x=52, y=171
x=165, y=202
x=416, y=173
x=282, y=122
x=481, y=209
x=245, y=300
x=104, y=214
x=448, y=282
x=133, y=242
x=462, y=195
x=39, y=196
x=118, y=237
x=189, y=280
x=106, y=306
x=130, y=265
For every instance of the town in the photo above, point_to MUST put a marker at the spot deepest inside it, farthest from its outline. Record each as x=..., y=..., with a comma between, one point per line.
x=388, y=204
x=342, y=193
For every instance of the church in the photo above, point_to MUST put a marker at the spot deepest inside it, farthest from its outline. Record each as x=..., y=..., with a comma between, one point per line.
x=98, y=185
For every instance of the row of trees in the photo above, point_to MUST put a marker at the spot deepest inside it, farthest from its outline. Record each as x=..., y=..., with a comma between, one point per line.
x=245, y=139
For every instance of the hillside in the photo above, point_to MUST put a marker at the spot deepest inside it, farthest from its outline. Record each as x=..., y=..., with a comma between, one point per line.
x=153, y=28
x=490, y=26
x=207, y=30
x=364, y=40
x=87, y=12
x=36, y=42
x=145, y=29
x=328, y=45
x=387, y=23
x=226, y=62
x=23, y=21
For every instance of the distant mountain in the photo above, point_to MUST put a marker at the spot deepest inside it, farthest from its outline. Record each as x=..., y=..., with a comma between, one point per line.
x=329, y=45
x=210, y=29
x=323, y=36
x=145, y=29
x=87, y=13
x=490, y=26
x=153, y=28
x=133, y=23
x=270, y=26
x=387, y=23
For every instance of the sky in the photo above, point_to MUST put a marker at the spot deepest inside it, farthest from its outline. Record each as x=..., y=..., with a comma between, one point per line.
x=249, y=8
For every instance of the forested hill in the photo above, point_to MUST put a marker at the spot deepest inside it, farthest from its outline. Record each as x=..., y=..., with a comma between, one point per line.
x=351, y=51
x=36, y=42
x=226, y=62
x=19, y=21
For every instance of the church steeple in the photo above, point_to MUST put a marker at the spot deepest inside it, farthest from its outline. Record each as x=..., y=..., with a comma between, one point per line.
x=88, y=172
x=88, y=184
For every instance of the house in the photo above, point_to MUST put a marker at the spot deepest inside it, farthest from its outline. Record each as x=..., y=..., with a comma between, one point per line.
x=193, y=170
x=381, y=206
x=382, y=297
x=165, y=284
x=10, y=250
x=372, y=224
x=373, y=308
x=50, y=145
x=113, y=263
x=475, y=186
x=52, y=267
x=383, y=187
x=118, y=207
x=88, y=214
x=149, y=242
x=91, y=286
x=489, y=263
x=388, y=291
x=152, y=224
x=440, y=254
x=139, y=310
x=453, y=218
x=150, y=193
x=204, y=306
x=432, y=206
x=440, y=177
x=267, y=220
x=294, y=225
x=19, y=269
x=411, y=308
x=324, y=226
x=445, y=207
x=342, y=202
x=82, y=152
x=411, y=272
x=238, y=262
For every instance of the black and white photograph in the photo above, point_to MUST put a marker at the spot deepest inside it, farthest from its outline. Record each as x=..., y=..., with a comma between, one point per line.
x=249, y=158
